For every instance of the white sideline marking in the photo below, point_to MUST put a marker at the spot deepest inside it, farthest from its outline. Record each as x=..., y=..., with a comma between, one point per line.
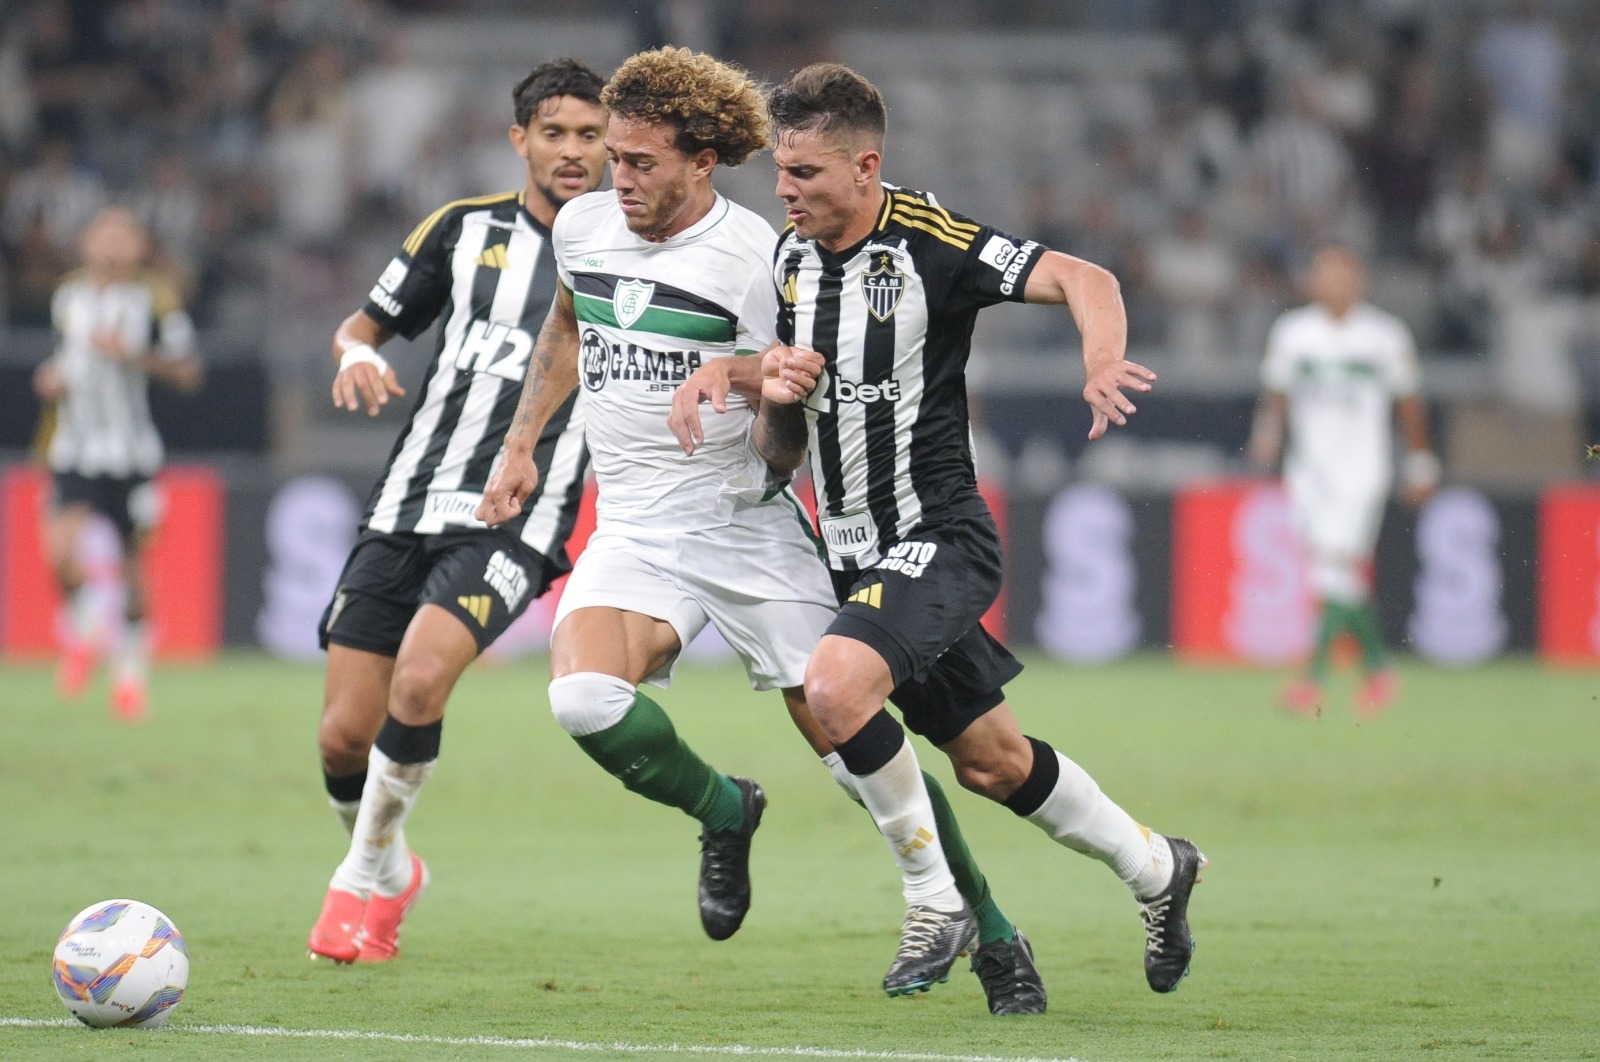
x=545, y=1043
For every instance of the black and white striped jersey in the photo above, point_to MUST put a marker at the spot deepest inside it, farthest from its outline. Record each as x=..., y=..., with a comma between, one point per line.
x=483, y=268
x=103, y=425
x=893, y=316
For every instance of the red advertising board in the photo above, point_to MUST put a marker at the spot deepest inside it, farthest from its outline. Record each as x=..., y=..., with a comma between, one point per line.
x=183, y=567
x=1569, y=575
x=1239, y=591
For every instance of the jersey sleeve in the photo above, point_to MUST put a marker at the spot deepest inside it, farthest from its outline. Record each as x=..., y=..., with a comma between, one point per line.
x=415, y=286
x=758, y=315
x=172, y=330
x=1277, y=368
x=559, y=234
x=984, y=266
x=785, y=278
x=1405, y=371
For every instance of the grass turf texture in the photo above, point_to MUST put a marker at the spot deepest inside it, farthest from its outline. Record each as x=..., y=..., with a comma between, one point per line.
x=1422, y=886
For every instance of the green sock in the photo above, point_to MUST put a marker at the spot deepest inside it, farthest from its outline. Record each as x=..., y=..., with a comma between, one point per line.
x=993, y=925
x=646, y=754
x=1364, y=624
x=1335, y=618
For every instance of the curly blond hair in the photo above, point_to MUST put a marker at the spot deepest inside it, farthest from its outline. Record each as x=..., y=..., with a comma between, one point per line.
x=713, y=104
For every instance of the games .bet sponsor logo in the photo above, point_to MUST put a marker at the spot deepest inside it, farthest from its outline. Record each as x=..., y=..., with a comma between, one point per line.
x=660, y=370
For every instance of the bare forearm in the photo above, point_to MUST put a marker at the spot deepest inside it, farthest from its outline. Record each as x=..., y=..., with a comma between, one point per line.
x=780, y=436
x=552, y=376
x=1092, y=294
x=1413, y=415
x=358, y=330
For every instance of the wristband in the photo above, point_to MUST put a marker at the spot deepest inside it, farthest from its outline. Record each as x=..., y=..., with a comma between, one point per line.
x=363, y=355
x=1421, y=470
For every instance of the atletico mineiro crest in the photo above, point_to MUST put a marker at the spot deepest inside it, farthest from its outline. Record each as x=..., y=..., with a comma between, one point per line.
x=631, y=300
x=882, y=287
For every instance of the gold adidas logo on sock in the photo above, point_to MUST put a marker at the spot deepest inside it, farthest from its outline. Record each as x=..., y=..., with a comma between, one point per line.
x=869, y=595
x=477, y=607
x=493, y=257
x=920, y=841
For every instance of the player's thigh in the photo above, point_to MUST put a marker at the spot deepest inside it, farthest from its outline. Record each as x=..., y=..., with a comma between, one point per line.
x=624, y=611
x=611, y=641
x=355, y=700
x=435, y=651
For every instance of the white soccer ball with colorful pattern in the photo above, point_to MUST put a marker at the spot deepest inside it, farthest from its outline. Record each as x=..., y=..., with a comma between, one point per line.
x=121, y=963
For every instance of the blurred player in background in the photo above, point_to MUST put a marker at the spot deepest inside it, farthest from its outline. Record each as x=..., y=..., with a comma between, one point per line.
x=427, y=586
x=117, y=327
x=1336, y=374
x=659, y=277
x=886, y=285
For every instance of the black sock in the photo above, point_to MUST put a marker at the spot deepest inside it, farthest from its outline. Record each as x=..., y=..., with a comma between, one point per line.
x=1040, y=783
x=409, y=744
x=874, y=745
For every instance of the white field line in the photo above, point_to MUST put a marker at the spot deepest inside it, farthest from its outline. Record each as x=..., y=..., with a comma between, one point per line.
x=543, y=1043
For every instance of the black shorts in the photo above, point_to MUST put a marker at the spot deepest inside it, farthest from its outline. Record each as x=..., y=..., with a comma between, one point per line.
x=919, y=608
x=131, y=503
x=484, y=578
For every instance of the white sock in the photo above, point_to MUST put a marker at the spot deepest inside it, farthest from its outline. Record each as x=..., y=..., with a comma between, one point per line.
x=345, y=811
x=85, y=616
x=841, y=774
x=377, y=841
x=1078, y=815
x=132, y=663
x=898, y=800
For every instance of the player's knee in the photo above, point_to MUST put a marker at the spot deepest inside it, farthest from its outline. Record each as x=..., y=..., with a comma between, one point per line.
x=995, y=774
x=343, y=747
x=420, y=686
x=587, y=702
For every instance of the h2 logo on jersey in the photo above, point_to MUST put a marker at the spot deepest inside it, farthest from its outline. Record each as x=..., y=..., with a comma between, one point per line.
x=495, y=348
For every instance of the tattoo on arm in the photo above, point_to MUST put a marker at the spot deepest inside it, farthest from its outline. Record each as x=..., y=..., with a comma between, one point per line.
x=780, y=436
x=552, y=371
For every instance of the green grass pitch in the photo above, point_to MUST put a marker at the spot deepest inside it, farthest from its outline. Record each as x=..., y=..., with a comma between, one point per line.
x=1423, y=886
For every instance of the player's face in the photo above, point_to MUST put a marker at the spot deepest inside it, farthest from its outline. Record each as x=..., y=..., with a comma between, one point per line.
x=1336, y=280
x=113, y=244
x=652, y=178
x=824, y=182
x=563, y=146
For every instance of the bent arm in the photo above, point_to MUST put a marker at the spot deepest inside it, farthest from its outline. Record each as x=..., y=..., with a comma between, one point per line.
x=1095, y=299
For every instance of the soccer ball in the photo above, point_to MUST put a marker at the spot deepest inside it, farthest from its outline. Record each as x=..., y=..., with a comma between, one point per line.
x=122, y=963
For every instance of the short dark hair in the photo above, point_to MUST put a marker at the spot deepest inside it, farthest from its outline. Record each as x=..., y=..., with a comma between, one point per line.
x=559, y=77
x=827, y=97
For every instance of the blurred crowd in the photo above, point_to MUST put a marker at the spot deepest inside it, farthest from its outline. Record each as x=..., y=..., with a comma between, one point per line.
x=1456, y=146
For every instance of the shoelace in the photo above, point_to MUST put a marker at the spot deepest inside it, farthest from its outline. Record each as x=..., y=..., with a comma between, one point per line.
x=1154, y=914
x=719, y=849
x=922, y=928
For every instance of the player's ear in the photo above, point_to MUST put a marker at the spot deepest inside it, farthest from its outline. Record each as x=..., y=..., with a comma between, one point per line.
x=519, y=140
x=868, y=164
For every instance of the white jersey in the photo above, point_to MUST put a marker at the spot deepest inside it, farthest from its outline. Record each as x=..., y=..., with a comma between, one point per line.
x=1341, y=377
x=103, y=425
x=649, y=314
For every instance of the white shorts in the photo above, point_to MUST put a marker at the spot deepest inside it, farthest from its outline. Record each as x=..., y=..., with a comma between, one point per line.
x=759, y=581
x=1338, y=516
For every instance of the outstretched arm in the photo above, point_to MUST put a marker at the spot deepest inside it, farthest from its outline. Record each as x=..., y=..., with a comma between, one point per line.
x=1265, y=448
x=364, y=377
x=1095, y=299
x=552, y=376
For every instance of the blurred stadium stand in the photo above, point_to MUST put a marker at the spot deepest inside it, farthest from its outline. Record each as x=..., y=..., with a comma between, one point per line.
x=280, y=149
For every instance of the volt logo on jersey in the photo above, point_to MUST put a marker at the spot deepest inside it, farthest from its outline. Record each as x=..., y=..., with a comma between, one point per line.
x=630, y=300
x=882, y=286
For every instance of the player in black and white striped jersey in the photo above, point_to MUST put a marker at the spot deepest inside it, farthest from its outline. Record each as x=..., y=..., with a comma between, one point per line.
x=886, y=285
x=428, y=586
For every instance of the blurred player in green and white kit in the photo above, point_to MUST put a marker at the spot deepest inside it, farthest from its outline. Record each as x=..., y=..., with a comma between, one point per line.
x=663, y=282
x=1336, y=374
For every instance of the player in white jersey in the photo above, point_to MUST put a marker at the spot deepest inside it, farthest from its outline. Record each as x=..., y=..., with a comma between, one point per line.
x=428, y=587
x=1336, y=374
x=117, y=327
x=666, y=277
